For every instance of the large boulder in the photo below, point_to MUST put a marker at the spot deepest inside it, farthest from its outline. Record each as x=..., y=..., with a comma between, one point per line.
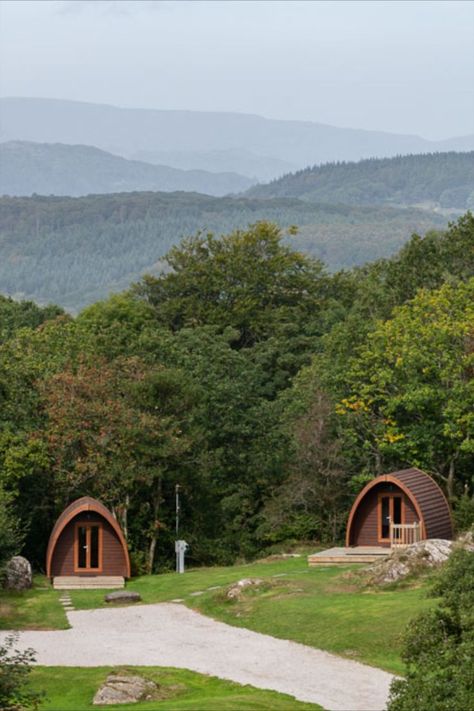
x=122, y=596
x=125, y=689
x=18, y=574
x=411, y=560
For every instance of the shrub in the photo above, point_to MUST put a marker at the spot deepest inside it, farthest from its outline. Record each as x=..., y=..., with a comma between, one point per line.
x=439, y=646
x=15, y=666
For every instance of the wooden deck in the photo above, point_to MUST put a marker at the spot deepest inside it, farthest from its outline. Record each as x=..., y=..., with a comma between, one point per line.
x=347, y=556
x=97, y=582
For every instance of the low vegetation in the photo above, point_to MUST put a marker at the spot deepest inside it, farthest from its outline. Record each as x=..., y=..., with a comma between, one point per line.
x=73, y=688
x=320, y=607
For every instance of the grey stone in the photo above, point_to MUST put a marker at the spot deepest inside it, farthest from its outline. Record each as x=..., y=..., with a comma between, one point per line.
x=235, y=590
x=410, y=560
x=125, y=689
x=123, y=596
x=18, y=574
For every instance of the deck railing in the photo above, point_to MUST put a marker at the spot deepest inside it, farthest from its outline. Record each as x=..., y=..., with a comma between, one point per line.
x=404, y=534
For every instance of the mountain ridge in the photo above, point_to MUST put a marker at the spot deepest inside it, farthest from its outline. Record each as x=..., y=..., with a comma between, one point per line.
x=126, y=131
x=28, y=167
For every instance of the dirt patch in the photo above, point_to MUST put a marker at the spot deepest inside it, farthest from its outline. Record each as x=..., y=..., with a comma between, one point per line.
x=6, y=610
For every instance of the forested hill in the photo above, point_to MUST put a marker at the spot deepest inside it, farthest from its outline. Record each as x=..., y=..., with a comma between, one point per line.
x=59, y=169
x=434, y=180
x=73, y=251
x=192, y=138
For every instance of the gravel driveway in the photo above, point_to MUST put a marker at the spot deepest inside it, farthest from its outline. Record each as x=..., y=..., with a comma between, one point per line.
x=168, y=634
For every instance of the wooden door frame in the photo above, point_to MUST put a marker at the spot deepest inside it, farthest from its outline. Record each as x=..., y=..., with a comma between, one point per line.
x=391, y=495
x=87, y=525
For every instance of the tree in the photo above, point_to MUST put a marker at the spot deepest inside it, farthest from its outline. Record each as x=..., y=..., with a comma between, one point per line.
x=11, y=538
x=410, y=396
x=247, y=280
x=439, y=646
x=310, y=503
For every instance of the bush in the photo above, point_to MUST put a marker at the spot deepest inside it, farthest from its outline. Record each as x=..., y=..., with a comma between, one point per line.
x=11, y=538
x=439, y=646
x=463, y=513
x=15, y=666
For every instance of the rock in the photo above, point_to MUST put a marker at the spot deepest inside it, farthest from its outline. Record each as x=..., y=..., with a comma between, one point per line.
x=466, y=541
x=236, y=589
x=123, y=596
x=18, y=574
x=125, y=689
x=410, y=560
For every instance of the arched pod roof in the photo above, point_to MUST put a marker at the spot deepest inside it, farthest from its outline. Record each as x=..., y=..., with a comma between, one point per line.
x=426, y=496
x=85, y=503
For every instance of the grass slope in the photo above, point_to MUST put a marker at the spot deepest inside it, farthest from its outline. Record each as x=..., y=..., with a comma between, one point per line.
x=319, y=607
x=72, y=689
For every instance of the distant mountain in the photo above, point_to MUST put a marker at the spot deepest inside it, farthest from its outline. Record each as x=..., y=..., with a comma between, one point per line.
x=237, y=160
x=439, y=181
x=73, y=251
x=58, y=169
x=127, y=132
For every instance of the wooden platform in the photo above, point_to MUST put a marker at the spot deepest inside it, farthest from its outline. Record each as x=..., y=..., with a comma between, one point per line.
x=347, y=556
x=98, y=582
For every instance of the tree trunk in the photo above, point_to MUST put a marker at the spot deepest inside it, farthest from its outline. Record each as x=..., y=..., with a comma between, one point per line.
x=450, y=481
x=156, y=503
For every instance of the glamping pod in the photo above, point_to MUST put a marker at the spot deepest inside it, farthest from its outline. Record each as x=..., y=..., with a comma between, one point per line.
x=398, y=509
x=87, y=548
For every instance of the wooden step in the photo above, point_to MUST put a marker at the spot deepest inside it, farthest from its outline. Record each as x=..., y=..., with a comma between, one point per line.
x=347, y=556
x=99, y=582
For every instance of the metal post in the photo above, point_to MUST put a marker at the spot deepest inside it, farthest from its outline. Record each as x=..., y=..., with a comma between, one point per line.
x=177, y=526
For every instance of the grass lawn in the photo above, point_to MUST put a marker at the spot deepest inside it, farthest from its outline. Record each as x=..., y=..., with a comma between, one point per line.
x=73, y=688
x=315, y=606
x=35, y=609
x=318, y=606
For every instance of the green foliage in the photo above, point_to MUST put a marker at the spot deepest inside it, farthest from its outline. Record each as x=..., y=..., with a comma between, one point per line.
x=73, y=688
x=439, y=646
x=74, y=251
x=15, y=667
x=11, y=537
x=463, y=514
x=444, y=180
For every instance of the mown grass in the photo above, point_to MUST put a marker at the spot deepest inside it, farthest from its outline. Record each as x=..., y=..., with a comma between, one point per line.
x=320, y=607
x=35, y=609
x=73, y=688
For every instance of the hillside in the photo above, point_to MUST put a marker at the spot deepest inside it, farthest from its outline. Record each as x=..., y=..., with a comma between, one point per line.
x=130, y=132
x=73, y=251
x=59, y=169
x=433, y=181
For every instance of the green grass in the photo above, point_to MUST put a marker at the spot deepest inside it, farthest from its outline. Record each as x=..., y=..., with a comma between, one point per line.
x=35, y=609
x=73, y=688
x=319, y=607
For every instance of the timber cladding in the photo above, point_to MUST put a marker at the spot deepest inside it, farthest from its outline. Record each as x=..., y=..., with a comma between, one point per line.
x=84, y=525
x=420, y=500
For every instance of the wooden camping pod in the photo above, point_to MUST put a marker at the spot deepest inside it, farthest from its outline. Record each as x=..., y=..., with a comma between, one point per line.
x=411, y=496
x=87, y=541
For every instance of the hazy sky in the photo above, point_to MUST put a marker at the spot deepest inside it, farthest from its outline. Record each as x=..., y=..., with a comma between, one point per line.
x=399, y=66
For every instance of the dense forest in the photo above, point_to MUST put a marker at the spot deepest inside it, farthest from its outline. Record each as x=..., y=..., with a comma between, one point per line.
x=434, y=180
x=74, y=251
x=58, y=169
x=269, y=388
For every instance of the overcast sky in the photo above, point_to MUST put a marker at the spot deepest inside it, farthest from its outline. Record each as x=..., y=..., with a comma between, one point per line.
x=405, y=67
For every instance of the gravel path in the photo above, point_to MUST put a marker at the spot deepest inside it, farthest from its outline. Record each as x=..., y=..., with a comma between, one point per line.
x=168, y=634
